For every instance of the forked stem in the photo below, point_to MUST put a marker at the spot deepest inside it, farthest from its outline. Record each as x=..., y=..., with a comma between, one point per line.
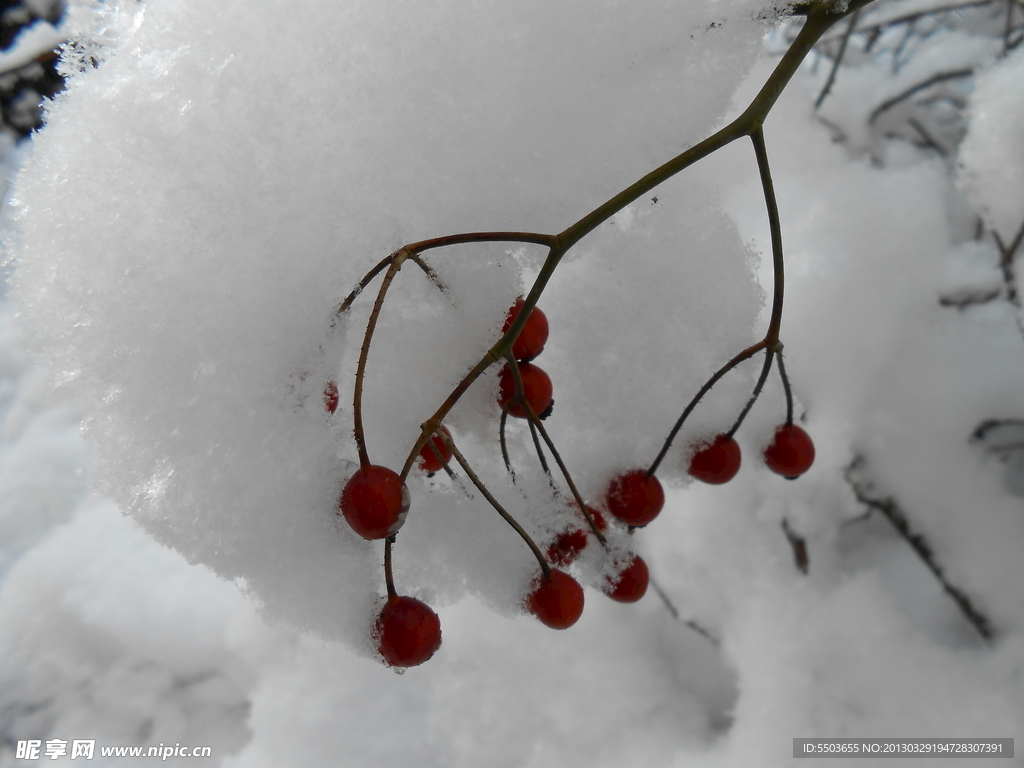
x=820, y=16
x=746, y=354
x=368, y=278
x=765, y=369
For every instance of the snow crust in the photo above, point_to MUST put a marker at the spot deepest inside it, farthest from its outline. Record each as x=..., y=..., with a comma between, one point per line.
x=199, y=203
x=202, y=200
x=992, y=155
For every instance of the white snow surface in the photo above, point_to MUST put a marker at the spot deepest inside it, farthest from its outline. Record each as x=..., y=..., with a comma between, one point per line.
x=992, y=155
x=200, y=202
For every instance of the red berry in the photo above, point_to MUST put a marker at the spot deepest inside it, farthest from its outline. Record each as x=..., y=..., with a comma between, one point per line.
x=536, y=388
x=791, y=452
x=534, y=334
x=716, y=462
x=631, y=583
x=375, y=502
x=409, y=632
x=331, y=397
x=429, y=461
x=557, y=601
x=570, y=543
x=567, y=546
x=635, y=497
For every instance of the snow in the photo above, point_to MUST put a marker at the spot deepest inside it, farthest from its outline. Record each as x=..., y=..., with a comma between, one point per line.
x=199, y=203
x=38, y=38
x=992, y=156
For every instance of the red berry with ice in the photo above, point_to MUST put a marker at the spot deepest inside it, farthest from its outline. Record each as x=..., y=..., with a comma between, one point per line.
x=716, y=462
x=433, y=459
x=635, y=497
x=537, y=389
x=791, y=452
x=630, y=584
x=408, y=632
x=571, y=542
x=375, y=502
x=534, y=334
x=557, y=601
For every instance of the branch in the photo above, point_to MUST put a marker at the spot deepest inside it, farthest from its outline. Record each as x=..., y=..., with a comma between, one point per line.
x=389, y=579
x=786, y=388
x=494, y=503
x=765, y=370
x=838, y=60
x=397, y=259
x=933, y=80
x=876, y=21
x=746, y=354
x=820, y=17
x=675, y=614
x=892, y=512
x=1006, y=266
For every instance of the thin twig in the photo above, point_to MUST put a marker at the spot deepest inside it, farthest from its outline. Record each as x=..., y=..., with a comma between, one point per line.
x=765, y=369
x=539, y=448
x=1008, y=29
x=820, y=17
x=427, y=269
x=744, y=355
x=535, y=420
x=429, y=272
x=664, y=598
x=969, y=298
x=494, y=503
x=536, y=425
x=389, y=578
x=775, y=226
x=674, y=612
x=786, y=388
x=537, y=238
x=799, y=545
x=981, y=431
x=397, y=259
x=343, y=307
x=504, y=445
x=1007, y=253
x=875, y=27
x=892, y=512
x=838, y=60
x=904, y=95
x=908, y=33
x=929, y=140
x=519, y=398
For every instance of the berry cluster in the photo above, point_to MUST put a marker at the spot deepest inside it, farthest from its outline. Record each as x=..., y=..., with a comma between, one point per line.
x=556, y=598
x=790, y=454
x=375, y=500
x=537, y=387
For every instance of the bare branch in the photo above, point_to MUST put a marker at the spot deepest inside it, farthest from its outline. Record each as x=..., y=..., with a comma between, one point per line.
x=494, y=503
x=838, y=60
x=903, y=96
x=892, y=512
